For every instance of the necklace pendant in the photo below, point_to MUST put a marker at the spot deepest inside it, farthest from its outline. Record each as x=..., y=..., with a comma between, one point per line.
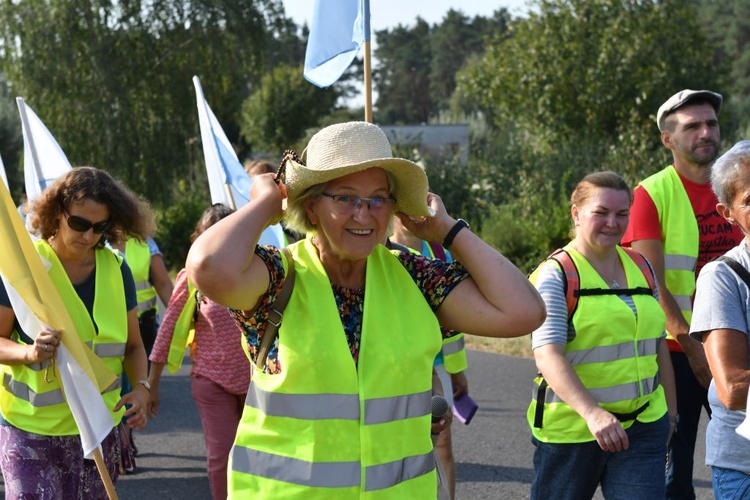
x=615, y=284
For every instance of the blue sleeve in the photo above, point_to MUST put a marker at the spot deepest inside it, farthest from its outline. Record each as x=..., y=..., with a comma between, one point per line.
x=153, y=248
x=131, y=301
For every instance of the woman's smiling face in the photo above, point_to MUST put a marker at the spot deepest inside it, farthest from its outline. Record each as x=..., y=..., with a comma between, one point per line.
x=602, y=218
x=351, y=228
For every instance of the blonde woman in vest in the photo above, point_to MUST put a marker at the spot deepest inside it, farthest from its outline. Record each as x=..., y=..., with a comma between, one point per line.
x=603, y=400
x=341, y=407
x=40, y=449
x=220, y=372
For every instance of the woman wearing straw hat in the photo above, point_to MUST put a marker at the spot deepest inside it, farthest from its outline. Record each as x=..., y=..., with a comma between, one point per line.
x=341, y=406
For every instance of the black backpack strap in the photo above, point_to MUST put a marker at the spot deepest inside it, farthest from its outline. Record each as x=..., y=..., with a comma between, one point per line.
x=738, y=268
x=641, y=290
x=541, y=395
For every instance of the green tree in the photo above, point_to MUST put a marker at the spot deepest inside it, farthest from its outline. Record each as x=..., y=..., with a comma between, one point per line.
x=591, y=68
x=452, y=43
x=278, y=112
x=403, y=77
x=112, y=80
x=11, y=143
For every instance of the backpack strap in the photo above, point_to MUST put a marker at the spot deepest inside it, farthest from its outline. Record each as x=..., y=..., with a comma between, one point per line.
x=276, y=314
x=642, y=264
x=572, y=282
x=738, y=268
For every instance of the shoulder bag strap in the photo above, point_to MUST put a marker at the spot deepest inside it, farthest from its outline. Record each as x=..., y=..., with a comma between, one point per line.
x=276, y=313
x=738, y=268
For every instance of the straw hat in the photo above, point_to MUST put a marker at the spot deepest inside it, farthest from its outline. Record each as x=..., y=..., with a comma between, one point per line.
x=351, y=147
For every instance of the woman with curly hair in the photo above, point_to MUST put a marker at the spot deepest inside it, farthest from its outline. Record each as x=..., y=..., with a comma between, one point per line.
x=40, y=448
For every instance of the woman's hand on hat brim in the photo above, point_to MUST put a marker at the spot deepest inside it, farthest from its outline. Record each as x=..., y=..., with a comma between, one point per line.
x=433, y=228
x=265, y=187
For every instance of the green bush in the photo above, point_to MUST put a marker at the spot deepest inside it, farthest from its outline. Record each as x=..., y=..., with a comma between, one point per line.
x=176, y=224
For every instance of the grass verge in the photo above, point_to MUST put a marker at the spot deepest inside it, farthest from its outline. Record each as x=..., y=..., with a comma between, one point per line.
x=520, y=346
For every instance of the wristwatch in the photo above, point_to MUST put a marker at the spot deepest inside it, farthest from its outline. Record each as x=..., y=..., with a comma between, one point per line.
x=145, y=384
x=459, y=225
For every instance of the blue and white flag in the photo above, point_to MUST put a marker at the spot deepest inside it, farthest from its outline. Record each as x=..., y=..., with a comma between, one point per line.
x=337, y=31
x=43, y=159
x=227, y=180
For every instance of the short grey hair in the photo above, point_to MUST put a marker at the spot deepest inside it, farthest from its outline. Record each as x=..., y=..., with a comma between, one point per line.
x=725, y=172
x=295, y=215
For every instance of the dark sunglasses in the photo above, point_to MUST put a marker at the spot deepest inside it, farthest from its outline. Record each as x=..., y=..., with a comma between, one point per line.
x=82, y=225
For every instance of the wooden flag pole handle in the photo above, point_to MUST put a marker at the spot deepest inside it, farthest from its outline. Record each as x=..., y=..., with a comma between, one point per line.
x=368, y=83
x=228, y=191
x=99, y=459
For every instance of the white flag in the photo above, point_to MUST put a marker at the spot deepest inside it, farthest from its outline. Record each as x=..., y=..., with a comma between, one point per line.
x=227, y=180
x=3, y=175
x=744, y=428
x=43, y=159
x=92, y=416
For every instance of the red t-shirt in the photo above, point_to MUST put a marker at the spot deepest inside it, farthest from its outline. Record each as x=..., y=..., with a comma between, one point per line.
x=717, y=236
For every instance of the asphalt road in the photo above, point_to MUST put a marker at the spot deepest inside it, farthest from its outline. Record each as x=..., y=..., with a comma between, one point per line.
x=493, y=453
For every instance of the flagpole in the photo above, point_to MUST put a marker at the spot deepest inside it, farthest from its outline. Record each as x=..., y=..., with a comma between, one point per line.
x=228, y=191
x=99, y=459
x=34, y=156
x=368, y=64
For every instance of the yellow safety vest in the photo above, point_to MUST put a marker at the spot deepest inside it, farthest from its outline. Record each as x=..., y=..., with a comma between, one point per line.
x=679, y=232
x=454, y=348
x=184, y=330
x=27, y=401
x=324, y=428
x=613, y=353
x=138, y=256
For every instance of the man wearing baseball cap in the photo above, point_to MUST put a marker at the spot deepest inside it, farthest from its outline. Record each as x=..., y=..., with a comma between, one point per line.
x=675, y=225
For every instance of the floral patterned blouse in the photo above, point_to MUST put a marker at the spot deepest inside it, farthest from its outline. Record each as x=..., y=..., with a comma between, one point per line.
x=435, y=279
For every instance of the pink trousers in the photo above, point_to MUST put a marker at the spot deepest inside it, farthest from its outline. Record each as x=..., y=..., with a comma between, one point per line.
x=220, y=413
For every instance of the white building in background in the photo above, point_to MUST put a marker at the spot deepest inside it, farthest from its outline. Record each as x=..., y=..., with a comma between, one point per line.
x=431, y=140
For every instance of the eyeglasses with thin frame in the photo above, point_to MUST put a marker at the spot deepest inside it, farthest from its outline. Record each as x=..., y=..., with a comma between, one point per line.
x=349, y=203
x=82, y=225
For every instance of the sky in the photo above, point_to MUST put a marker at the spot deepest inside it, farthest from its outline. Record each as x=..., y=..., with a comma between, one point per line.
x=385, y=14
x=390, y=13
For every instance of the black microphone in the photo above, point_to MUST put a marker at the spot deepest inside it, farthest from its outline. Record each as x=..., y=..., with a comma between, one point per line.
x=440, y=408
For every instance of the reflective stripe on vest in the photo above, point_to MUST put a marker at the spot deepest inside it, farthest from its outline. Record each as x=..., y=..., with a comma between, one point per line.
x=614, y=354
x=138, y=257
x=30, y=403
x=363, y=431
x=142, y=285
x=146, y=305
x=26, y=393
x=331, y=474
x=337, y=406
x=110, y=350
x=613, y=394
x=602, y=354
x=454, y=354
x=680, y=236
x=453, y=347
